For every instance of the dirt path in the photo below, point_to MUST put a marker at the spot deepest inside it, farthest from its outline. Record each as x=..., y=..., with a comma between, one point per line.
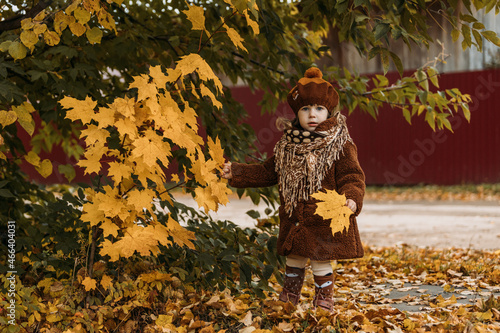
x=437, y=224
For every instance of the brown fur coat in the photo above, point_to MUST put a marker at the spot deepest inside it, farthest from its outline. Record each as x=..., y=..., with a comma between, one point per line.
x=304, y=233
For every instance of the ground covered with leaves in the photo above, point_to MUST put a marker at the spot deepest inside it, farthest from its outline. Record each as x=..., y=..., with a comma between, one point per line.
x=145, y=298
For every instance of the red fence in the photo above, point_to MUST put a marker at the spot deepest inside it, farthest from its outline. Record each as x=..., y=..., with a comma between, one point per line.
x=390, y=150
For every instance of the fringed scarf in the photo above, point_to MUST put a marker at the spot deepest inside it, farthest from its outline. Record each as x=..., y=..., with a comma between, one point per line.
x=303, y=158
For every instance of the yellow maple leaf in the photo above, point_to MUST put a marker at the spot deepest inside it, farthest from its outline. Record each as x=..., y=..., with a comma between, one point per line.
x=155, y=276
x=91, y=213
x=89, y=284
x=216, y=151
x=203, y=170
x=332, y=206
x=109, y=228
x=195, y=63
x=125, y=106
x=205, y=199
x=119, y=171
x=141, y=199
x=196, y=15
x=145, y=89
x=151, y=147
x=93, y=155
x=162, y=234
x=78, y=109
x=126, y=126
x=93, y=134
x=220, y=191
x=105, y=117
x=253, y=24
x=159, y=78
x=181, y=235
x=24, y=118
x=207, y=92
x=235, y=38
x=109, y=202
x=136, y=238
x=106, y=281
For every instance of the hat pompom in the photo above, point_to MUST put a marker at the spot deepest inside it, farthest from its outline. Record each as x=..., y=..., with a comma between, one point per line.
x=313, y=72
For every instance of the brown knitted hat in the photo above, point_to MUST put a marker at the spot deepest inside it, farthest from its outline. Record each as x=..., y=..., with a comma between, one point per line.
x=312, y=89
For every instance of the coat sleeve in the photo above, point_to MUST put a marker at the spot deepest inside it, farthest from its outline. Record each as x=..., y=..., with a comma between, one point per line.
x=349, y=176
x=254, y=175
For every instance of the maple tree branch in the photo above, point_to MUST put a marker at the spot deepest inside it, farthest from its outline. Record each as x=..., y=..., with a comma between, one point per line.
x=236, y=54
x=394, y=103
x=177, y=185
x=371, y=92
x=14, y=22
x=216, y=30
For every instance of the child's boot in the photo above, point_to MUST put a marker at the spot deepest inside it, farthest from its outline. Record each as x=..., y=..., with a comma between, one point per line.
x=294, y=279
x=324, y=292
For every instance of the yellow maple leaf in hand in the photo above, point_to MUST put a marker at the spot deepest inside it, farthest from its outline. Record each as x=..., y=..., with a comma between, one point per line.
x=332, y=206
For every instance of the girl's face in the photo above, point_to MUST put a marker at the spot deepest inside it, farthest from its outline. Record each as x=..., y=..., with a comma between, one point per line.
x=310, y=116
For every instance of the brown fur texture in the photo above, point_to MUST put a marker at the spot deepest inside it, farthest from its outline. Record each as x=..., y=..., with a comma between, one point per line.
x=304, y=233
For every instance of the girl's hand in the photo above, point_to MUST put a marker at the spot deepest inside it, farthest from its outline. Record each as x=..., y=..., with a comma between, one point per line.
x=351, y=204
x=226, y=171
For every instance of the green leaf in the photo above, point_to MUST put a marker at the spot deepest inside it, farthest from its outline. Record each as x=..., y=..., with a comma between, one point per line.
x=453, y=3
x=478, y=25
x=455, y=34
x=374, y=51
x=422, y=79
x=407, y=115
x=94, y=35
x=468, y=18
x=383, y=81
x=491, y=36
x=6, y=193
x=384, y=56
x=253, y=214
x=479, y=40
x=432, y=74
x=431, y=120
x=4, y=46
x=381, y=30
x=397, y=62
x=68, y=171
x=467, y=36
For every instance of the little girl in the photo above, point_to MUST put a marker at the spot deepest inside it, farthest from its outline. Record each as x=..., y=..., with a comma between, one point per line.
x=315, y=153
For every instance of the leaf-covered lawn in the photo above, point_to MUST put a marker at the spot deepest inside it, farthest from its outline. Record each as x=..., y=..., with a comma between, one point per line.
x=403, y=289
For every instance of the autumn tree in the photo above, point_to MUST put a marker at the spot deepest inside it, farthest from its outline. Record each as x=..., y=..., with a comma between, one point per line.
x=135, y=80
